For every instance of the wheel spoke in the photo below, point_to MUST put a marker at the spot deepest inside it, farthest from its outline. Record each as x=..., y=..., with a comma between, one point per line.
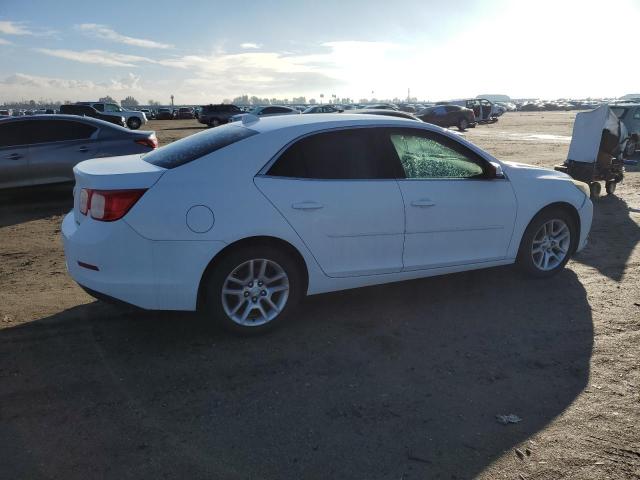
x=271, y=304
x=227, y=291
x=278, y=288
x=237, y=307
x=263, y=269
x=270, y=280
x=231, y=278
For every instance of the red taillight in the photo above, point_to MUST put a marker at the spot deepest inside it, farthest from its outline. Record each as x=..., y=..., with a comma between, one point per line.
x=108, y=205
x=150, y=141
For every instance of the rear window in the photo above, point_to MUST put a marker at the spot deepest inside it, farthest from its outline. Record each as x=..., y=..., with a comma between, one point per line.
x=195, y=146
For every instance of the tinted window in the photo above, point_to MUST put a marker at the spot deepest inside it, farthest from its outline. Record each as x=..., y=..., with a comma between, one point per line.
x=344, y=154
x=268, y=110
x=428, y=155
x=13, y=133
x=636, y=115
x=99, y=107
x=43, y=131
x=195, y=146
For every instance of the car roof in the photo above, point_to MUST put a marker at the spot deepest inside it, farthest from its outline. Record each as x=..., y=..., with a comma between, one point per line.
x=58, y=116
x=279, y=122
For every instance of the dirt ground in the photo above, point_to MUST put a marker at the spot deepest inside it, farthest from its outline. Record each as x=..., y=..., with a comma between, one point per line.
x=401, y=381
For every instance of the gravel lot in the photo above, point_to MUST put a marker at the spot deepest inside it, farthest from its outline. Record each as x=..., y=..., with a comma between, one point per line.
x=401, y=381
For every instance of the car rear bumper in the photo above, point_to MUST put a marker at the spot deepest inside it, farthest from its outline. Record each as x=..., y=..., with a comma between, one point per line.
x=155, y=275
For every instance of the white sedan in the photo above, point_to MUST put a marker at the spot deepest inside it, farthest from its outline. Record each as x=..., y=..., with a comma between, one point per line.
x=239, y=222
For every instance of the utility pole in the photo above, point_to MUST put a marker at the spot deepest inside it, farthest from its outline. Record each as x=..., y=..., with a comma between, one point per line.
x=408, y=94
x=171, y=101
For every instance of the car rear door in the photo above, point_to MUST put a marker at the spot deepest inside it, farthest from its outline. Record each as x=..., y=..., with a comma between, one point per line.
x=340, y=194
x=14, y=154
x=455, y=214
x=58, y=146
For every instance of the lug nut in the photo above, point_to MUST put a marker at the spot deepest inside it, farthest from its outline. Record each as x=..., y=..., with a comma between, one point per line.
x=250, y=284
x=260, y=283
x=246, y=294
x=263, y=293
x=254, y=299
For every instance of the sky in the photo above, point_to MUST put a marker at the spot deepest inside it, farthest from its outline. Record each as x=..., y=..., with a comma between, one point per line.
x=207, y=51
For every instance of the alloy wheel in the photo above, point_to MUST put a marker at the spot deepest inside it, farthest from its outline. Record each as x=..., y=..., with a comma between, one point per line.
x=255, y=292
x=551, y=245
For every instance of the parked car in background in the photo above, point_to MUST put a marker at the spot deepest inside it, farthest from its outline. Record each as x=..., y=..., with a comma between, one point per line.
x=381, y=106
x=385, y=112
x=44, y=149
x=629, y=115
x=448, y=116
x=185, y=113
x=89, y=111
x=214, y=115
x=267, y=111
x=133, y=119
x=164, y=114
x=148, y=113
x=484, y=110
x=322, y=109
x=5, y=113
x=241, y=221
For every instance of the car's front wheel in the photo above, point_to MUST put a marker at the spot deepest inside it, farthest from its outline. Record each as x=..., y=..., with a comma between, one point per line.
x=547, y=243
x=252, y=290
x=463, y=124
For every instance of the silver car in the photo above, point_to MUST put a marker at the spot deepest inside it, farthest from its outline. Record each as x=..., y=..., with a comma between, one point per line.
x=44, y=149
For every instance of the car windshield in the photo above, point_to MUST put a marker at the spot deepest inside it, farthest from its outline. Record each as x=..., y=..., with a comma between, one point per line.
x=195, y=146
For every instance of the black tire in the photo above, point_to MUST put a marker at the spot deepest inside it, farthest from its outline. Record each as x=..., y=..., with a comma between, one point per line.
x=134, y=123
x=630, y=149
x=211, y=301
x=525, y=260
x=463, y=124
x=595, y=188
x=610, y=187
x=214, y=122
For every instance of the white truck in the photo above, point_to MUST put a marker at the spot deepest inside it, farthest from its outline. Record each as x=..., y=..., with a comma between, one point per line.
x=133, y=119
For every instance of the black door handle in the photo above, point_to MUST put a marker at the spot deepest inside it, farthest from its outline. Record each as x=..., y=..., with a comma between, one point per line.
x=14, y=156
x=83, y=149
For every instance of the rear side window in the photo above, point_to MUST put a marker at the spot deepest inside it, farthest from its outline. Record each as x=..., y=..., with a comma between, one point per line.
x=13, y=133
x=195, y=146
x=43, y=131
x=343, y=154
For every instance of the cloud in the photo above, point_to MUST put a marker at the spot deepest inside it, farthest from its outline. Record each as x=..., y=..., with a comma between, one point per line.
x=21, y=85
x=249, y=45
x=105, y=33
x=5, y=42
x=98, y=57
x=14, y=28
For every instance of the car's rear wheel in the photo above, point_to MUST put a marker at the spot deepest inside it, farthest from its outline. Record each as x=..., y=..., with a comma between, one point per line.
x=610, y=187
x=214, y=122
x=252, y=290
x=134, y=123
x=595, y=188
x=463, y=124
x=547, y=243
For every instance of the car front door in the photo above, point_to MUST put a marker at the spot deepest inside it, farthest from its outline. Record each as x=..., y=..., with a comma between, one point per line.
x=455, y=213
x=14, y=154
x=340, y=194
x=58, y=145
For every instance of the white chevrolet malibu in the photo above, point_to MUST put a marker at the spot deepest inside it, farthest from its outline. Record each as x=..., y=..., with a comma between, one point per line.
x=239, y=222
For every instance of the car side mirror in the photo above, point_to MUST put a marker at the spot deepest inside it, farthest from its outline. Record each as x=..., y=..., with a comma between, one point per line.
x=496, y=171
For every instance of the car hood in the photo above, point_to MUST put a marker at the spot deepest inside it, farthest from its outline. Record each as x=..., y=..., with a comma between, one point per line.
x=524, y=170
